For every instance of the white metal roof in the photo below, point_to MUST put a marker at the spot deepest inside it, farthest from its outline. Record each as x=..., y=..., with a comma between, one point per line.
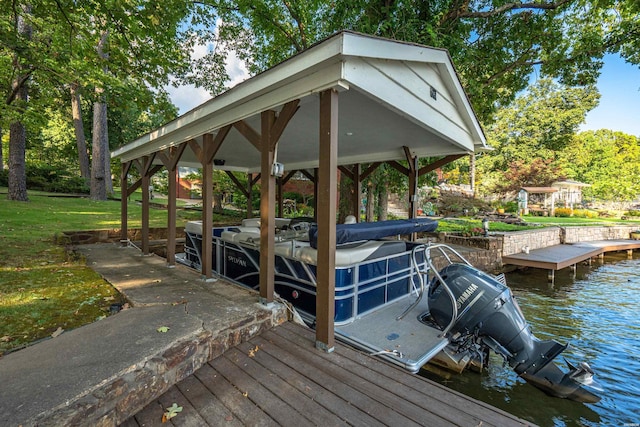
x=385, y=103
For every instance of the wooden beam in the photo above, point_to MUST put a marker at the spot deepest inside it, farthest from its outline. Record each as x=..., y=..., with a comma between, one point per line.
x=288, y=176
x=211, y=145
x=369, y=170
x=285, y=115
x=311, y=177
x=397, y=166
x=237, y=183
x=267, y=209
x=347, y=172
x=326, y=215
x=248, y=132
x=439, y=163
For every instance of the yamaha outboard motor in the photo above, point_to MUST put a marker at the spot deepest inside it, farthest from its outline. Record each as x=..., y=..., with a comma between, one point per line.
x=488, y=310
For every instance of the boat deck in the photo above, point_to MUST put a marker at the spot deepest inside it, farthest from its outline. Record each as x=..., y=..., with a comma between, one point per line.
x=279, y=378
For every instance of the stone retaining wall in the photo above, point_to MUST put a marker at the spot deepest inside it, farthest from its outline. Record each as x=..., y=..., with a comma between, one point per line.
x=585, y=234
x=515, y=242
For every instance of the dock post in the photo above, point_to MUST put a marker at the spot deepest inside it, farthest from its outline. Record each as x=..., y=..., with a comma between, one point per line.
x=574, y=269
x=629, y=253
x=551, y=276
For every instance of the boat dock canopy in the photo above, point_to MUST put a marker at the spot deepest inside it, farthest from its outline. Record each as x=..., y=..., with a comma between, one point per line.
x=392, y=95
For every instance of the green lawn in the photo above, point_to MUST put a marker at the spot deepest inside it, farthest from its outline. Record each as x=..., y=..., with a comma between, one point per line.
x=42, y=286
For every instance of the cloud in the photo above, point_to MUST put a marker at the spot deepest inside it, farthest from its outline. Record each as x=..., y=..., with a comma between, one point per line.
x=187, y=97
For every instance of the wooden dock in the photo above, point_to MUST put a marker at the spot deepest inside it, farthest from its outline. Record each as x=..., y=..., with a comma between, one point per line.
x=557, y=257
x=279, y=378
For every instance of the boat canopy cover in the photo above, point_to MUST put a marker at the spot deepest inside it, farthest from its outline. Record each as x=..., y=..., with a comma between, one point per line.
x=346, y=233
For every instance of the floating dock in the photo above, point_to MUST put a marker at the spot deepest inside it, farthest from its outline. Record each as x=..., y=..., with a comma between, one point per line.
x=557, y=257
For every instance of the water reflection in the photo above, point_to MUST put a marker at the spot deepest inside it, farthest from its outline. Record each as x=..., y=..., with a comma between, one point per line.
x=597, y=314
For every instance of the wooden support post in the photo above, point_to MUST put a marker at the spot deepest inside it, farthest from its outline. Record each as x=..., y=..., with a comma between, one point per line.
x=205, y=155
x=207, y=220
x=146, y=180
x=551, y=276
x=279, y=186
x=326, y=216
x=574, y=270
x=170, y=159
x=315, y=193
x=124, y=196
x=629, y=253
x=267, y=209
x=171, y=217
x=249, y=195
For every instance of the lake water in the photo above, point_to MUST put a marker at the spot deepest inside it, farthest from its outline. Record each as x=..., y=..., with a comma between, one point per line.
x=598, y=314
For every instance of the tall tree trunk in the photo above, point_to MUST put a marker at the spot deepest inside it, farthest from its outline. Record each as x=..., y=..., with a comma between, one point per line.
x=100, y=142
x=345, y=205
x=383, y=203
x=370, y=213
x=17, y=170
x=17, y=131
x=81, y=142
x=98, y=153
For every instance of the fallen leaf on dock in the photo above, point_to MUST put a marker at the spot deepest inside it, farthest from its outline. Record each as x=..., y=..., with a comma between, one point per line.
x=253, y=351
x=57, y=332
x=171, y=412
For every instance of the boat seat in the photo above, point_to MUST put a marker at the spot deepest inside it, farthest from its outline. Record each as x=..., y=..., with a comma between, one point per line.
x=244, y=234
x=290, y=249
x=354, y=253
x=193, y=227
x=255, y=222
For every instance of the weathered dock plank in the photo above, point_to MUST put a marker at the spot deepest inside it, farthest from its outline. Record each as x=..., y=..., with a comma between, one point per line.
x=279, y=378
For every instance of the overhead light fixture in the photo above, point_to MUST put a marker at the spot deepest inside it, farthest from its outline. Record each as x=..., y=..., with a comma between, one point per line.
x=218, y=162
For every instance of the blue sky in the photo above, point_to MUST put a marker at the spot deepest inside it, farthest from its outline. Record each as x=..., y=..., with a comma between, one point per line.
x=619, y=107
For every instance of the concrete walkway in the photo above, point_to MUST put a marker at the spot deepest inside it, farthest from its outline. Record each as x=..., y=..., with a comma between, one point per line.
x=102, y=373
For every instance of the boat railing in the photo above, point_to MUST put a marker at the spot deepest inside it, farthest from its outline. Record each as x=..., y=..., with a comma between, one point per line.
x=422, y=274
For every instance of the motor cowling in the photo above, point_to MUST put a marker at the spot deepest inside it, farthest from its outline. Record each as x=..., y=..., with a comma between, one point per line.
x=488, y=309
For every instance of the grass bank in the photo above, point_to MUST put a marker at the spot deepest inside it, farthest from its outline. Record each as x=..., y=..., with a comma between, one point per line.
x=43, y=287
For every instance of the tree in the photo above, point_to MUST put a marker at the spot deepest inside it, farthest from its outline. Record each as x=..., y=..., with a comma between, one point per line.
x=495, y=46
x=528, y=136
x=62, y=51
x=608, y=160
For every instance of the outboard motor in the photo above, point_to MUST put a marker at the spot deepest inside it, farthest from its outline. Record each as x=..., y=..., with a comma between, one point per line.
x=487, y=309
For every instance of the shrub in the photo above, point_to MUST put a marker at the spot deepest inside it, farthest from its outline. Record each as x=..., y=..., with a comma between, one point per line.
x=585, y=213
x=563, y=212
x=632, y=212
x=4, y=178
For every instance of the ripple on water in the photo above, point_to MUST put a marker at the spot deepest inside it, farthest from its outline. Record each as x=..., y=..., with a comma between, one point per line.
x=597, y=313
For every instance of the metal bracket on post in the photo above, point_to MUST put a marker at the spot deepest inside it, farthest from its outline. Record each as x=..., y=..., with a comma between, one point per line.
x=322, y=346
